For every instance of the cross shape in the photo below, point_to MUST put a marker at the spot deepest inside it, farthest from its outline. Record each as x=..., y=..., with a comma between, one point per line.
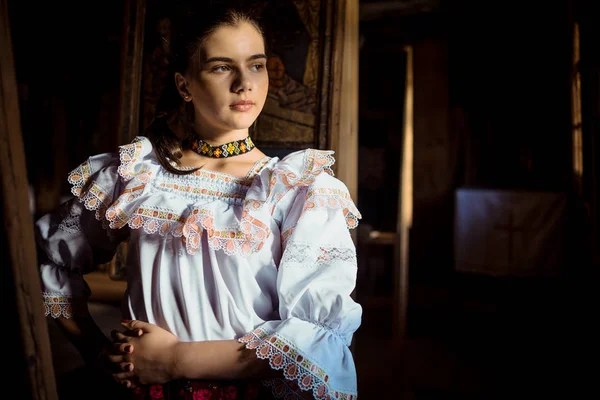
x=510, y=228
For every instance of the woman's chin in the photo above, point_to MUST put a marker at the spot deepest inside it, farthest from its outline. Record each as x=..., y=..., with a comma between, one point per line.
x=244, y=122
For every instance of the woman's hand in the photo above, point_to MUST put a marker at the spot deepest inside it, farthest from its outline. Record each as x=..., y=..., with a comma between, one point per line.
x=150, y=354
x=114, y=354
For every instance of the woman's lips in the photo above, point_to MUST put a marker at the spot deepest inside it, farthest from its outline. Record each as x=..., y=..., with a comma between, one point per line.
x=242, y=105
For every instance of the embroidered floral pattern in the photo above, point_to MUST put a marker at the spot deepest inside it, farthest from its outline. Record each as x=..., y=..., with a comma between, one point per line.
x=57, y=305
x=202, y=390
x=282, y=389
x=313, y=255
x=296, y=367
x=197, y=190
x=156, y=392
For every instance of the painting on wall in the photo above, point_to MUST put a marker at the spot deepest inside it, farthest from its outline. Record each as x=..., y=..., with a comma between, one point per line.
x=296, y=42
x=295, y=114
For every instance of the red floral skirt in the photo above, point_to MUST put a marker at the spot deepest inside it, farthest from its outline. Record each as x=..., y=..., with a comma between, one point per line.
x=204, y=390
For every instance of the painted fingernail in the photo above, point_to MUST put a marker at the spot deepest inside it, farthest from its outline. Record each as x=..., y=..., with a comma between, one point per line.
x=128, y=348
x=124, y=321
x=129, y=367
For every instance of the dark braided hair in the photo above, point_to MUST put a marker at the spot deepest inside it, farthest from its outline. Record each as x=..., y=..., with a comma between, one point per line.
x=192, y=26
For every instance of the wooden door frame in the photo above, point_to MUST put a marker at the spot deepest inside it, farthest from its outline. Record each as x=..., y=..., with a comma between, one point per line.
x=18, y=244
x=343, y=114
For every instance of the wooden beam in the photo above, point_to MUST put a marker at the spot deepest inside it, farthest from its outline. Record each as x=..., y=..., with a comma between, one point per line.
x=379, y=9
x=405, y=207
x=18, y=245
x=343, y=124
x=132, y=59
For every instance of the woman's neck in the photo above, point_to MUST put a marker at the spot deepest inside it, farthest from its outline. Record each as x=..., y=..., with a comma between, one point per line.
x=217, y=138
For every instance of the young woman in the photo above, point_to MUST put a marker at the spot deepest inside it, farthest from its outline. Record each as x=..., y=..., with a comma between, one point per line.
x=240, y=265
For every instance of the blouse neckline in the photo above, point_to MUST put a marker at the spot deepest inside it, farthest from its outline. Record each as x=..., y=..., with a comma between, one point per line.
x=257, y=167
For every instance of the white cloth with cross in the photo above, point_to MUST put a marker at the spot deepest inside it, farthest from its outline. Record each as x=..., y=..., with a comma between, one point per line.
x=509, y=233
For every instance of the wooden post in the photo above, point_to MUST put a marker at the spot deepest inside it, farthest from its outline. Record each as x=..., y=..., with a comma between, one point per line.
x=405, y=208
x=343, y=125
x=18, y=245
x=132, y=60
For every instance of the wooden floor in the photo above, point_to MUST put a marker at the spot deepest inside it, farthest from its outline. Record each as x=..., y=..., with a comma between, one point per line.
x=481, y=338
x=470, y=338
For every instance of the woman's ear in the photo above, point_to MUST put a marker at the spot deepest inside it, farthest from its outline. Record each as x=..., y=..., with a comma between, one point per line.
x=181, y=84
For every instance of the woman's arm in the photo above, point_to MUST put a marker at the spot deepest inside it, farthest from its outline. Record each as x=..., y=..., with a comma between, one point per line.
x=158, y=357
x=220, y=359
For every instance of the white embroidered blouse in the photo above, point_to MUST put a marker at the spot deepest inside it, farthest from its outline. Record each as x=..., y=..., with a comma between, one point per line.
x=266, y=259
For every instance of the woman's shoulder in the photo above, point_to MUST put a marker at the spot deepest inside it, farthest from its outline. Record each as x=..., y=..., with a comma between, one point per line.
x=125, y=156
x=307, y=167
x=105, y=170
x=304, y=180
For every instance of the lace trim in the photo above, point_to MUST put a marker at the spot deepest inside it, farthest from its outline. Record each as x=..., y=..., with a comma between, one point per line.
x=310, y=255
x=314, y=163
x=317, y=161
x=128, y=154
x=78, y=177
x=70, y=220
x=296, y=368
x=222, y=176
x=203, y=184
x=57, y=305
x=333, y=198
x=95, y=198
x=246, y=240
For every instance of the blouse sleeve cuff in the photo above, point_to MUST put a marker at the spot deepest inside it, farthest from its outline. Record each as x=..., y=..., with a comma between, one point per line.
x=312, y=356
x=63, y=293
x=58, y=305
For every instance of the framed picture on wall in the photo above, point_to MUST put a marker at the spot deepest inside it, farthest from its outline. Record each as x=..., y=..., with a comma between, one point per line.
x=298, y=32
x=298, y=44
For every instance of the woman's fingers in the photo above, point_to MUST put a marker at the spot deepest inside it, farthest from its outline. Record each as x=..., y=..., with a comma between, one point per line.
x=129, y=384
x=117, y=336
x=120, y=347
x=123, y=336
x=137, y=332
x=118, y=358
x=125, y=348
x=126, y=366
x=123, y=376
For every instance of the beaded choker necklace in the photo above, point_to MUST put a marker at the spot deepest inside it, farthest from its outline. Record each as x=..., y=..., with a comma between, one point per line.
x=231, y=149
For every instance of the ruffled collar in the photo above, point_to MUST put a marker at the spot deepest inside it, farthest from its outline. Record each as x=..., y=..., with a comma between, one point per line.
x=190, y=206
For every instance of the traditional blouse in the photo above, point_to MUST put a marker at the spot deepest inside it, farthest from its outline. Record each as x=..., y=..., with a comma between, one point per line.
x=266, y=259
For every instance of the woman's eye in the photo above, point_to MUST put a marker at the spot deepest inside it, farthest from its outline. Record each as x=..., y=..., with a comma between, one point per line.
x=221, y=68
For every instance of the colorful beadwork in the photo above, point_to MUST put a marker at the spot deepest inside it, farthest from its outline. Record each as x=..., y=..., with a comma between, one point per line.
x=230, y=149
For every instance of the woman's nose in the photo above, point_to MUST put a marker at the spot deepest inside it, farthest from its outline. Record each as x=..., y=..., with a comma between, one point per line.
x=242, y=83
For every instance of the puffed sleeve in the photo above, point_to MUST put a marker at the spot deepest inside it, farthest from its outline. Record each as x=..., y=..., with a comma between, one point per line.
x=75, y=239
x=316, y=276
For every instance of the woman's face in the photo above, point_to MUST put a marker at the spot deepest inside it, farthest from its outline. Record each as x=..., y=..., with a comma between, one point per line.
x=229, y=87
